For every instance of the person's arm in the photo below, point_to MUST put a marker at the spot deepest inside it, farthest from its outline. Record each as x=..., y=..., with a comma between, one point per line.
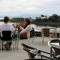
x=13, y=29
x=19, y=26
x=28, y=28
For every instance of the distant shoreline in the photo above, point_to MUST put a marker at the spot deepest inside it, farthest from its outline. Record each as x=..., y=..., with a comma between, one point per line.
x=53, y=24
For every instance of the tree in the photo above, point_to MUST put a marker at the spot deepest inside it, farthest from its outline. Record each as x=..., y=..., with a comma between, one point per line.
x=18, y=19
x=53, y=18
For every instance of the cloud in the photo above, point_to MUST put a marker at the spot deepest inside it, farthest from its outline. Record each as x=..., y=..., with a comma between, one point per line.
x=18, y=7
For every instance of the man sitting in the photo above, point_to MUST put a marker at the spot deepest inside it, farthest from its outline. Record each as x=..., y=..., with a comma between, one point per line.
x=5, y=27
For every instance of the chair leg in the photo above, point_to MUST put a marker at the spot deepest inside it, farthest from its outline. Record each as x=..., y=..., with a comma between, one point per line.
x=28, y=42
x=42, y=39
x=2, y=45
x=51, y=51
x=16, y=44
x=33, y=38
x=12, y=45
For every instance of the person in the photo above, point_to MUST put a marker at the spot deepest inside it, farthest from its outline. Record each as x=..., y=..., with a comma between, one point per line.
x=6, y=26
x=25, y=29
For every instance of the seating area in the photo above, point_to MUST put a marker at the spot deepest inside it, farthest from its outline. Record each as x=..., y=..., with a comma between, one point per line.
x=50, y=32
x=20, y=54
x=7, y=39
x=37, y=43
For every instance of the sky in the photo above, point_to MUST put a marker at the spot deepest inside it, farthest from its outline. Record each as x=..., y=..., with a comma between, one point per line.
x=28, y=8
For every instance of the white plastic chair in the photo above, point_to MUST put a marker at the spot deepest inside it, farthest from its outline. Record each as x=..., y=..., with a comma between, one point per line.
x=30, y=38
x=45, y=33
x=58, y=32
x=53, y=33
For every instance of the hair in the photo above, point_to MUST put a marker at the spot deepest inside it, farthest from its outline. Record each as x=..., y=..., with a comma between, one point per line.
x=28, y=22
x=6, y=19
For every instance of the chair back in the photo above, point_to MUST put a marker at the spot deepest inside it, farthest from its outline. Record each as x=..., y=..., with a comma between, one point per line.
x=32, y=32
x=6, y=35
x=46, y=32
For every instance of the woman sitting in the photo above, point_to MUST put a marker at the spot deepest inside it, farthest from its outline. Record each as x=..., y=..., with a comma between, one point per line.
x=25, y=30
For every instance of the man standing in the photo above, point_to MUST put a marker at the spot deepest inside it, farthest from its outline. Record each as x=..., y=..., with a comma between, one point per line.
x=5, y=27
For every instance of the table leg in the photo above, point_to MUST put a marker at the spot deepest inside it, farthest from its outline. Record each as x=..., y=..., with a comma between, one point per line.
x=51, y=51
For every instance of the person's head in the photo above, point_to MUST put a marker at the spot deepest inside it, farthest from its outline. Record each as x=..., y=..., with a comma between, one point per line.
x=27, y=22
x=6, y=19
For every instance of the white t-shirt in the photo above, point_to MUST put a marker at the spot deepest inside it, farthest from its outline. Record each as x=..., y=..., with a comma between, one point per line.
x=6, y=27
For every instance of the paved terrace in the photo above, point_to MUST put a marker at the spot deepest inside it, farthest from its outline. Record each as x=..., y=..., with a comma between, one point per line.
x=20, y=54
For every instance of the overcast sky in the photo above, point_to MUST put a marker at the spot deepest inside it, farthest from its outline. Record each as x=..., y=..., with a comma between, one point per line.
x=29, y=7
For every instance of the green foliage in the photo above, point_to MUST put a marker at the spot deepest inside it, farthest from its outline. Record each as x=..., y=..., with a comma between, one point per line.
x=53, y=18
x=43, y=18
x=18, y=19
x=37, y=20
